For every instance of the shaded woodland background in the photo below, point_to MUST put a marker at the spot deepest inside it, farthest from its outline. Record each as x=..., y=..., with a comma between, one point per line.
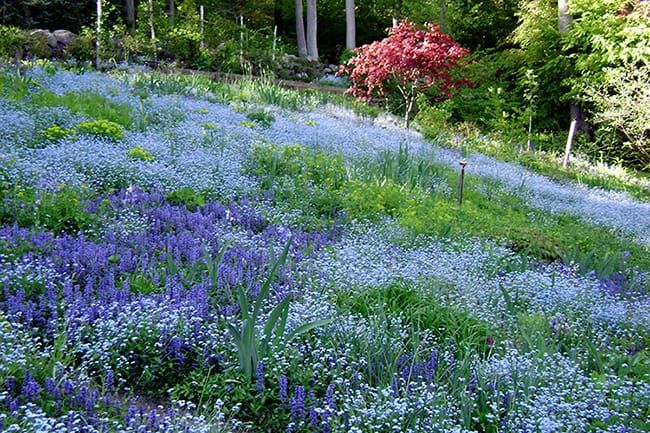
x=535, y=65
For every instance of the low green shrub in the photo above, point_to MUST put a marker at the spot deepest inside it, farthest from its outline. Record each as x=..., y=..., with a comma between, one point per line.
x=36, y=46
x=433, y=120
x=12, y=42
x=371, y=200
x=61, y=210
x=81, y=48
x=56, y=133
x=303, y=179
x=186, y=197
x=262, y=118
x=101, y=128
x=139, y=152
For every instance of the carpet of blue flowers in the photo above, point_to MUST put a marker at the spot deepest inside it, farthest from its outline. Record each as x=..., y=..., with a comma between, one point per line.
x=154, y=279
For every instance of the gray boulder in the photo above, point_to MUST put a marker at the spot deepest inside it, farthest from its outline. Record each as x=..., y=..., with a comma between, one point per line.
x=47, y=37
x=64, y=37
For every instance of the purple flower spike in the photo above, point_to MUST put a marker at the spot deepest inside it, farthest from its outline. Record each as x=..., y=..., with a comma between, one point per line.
x=30, y=388
x=297, y=404
x=329, y=395
x=260, y=376
x=110, y=380
x=284, y=383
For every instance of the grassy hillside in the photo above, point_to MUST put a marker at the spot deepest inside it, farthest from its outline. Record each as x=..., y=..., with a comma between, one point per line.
x=182, y=255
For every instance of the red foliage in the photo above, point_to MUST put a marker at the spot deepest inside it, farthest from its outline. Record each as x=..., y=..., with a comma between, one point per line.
x=413, y=59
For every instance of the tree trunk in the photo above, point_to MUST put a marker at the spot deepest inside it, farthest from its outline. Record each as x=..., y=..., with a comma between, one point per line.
x=577, y=113
x=129, y=6
x=350, y=25
x=277, y=16
x=300, y=30
x=171, y=10
x=312, y=23
x=98, y=30
x=410, y=107
x=569, y=143
x=564, y=19
x=442, y=16
x=152, y=30
x=397, y=12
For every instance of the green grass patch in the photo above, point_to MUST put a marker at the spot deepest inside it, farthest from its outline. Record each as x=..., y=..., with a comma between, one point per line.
x=421, y=196
x=24, y=89
x=420, y=312
x=87, y=104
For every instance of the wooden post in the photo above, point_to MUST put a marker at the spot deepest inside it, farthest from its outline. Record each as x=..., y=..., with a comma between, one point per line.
x=461, y=181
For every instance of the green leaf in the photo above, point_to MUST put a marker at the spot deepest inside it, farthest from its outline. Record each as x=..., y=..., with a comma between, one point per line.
x=279, y=313
x=236, y=335
x=308, y=327
x=266, y=287
x=212, y=265
x=510, y=305
x=243, y=303
x=282, y=324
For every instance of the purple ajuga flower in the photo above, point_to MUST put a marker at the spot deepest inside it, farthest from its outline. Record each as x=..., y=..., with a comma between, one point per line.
x=131, y=414
x=259, y=374
x=329, y=395
x=50, y=385
x=13, y=406
x=313, y=417
x=394, y=386
x=284, y=384
x=297, y=404
x=109, y=380
x=30, y=388
x=151, y=420
x=176, y=349
x=10, y=383
x=68, y=387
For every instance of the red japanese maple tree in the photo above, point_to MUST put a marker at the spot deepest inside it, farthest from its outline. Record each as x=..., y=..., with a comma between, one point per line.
x=409, y=59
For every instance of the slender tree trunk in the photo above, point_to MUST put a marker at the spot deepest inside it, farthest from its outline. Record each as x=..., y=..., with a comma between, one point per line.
x=171, y=10
x=442, y=16
x=129, y=6
x=529, y=143
x=576, y=112
x=569, y=143
x=152, y=30
x=350, y=25
x=564, y=19
x=277, y=16
x=312, y=29
x=397, y=12
x=99, y=31
x=300, y=30
x=410, y=96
